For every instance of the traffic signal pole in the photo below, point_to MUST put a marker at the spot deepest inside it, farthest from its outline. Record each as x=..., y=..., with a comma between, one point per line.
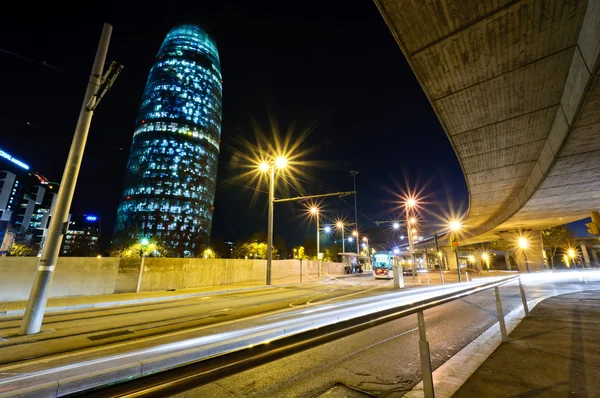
x=34, y=313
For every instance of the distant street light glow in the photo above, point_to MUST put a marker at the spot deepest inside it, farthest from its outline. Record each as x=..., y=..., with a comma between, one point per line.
x=339, y=225
x=327, y=229
x=455, y=225
x=396, y=225
x=411, y=202
x=264, y=166
x=314, y=210
x=413, y=220
x=281, y=162
x=523, y=243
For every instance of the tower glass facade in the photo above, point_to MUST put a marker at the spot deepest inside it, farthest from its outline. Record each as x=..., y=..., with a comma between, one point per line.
x=171, y=173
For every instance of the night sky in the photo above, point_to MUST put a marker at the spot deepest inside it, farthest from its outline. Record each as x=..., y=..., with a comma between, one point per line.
x=335, y=67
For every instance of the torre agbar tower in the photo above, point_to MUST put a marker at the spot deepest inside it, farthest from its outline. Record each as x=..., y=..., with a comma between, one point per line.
x=171, y=174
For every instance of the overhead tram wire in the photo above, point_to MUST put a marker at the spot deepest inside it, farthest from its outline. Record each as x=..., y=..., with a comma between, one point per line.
x=44, y=64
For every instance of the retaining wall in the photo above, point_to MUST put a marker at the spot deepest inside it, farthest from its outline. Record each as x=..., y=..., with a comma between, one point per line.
x=77, y=276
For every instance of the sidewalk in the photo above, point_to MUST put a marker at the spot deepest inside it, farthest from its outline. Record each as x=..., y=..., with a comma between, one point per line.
x=553, y=353
x=14, y=308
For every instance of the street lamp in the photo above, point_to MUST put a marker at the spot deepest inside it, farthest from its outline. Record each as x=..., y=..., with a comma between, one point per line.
x=396, y=225
x=571, y=253
x=327, y=229
x=280, y=163
x=340, y=226
x=314, y=210
x=486, y=259
x=144, y=242
x=411, y=220
x=523, y=245
x=455, y=227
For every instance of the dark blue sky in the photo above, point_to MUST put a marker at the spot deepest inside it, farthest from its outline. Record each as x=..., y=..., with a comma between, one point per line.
x=332, y=66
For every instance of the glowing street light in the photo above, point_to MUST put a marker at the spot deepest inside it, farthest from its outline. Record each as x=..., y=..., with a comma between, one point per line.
x=571, y=253
x=455, y=225
x=396, y=225
x=340, y=227
x=412, y=220
x=523, y=245
x=144, y=242
x=280, y=163
x=411, y=202
x=486, y=258
x=314, y=210
x=327, y=229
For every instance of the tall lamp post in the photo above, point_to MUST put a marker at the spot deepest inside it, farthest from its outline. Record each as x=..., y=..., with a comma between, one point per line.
x=144, y=242
x=340, y=226
x=314, y=210
x=280, y=163
x=455, y=227
x=411, y=221
x=486, y=259
x=523, y=245
x=353, y=174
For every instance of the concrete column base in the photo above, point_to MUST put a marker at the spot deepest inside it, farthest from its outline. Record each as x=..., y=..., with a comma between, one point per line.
x=450, y=257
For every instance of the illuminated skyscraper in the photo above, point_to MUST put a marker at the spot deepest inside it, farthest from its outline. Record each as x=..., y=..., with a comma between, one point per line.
x=171, y=174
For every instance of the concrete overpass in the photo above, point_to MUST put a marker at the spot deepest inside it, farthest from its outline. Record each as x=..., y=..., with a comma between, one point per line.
x=515, y=86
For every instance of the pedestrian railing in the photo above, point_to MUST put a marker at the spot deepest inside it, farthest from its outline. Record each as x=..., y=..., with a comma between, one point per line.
x=227, y=363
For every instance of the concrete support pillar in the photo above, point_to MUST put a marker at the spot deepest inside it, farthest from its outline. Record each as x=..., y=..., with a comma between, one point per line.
x=586, y=257
x=507, y=259
x=594, y=255
x=533, y=254
x=450, y=257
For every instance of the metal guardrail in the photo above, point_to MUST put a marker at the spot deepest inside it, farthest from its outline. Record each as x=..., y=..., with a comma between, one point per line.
x=203, y=371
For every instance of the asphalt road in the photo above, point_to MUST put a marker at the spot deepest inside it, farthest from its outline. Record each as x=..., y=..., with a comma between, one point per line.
x=382, y=361
x=69, y=331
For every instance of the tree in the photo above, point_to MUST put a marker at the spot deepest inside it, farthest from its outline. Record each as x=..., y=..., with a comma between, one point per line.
x=280, y=246
x=136, y=250
x=21, y=249
x=254, y=247
x=559, y=237
x=220, y=248
x=310, y=247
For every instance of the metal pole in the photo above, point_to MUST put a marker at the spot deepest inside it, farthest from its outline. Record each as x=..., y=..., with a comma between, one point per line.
x=500, y=313
x=139, y=282
x=457, y=264
x=437, y=250
x=318, y=247
x=300, y=270
x=270, y=224
x=523, y=298
x=425, y=358
x=343, y=241
x=526, y=263
x=34, y=313
x=354, y=173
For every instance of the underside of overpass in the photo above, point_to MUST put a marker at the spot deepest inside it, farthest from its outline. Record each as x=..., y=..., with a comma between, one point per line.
x=515, y=86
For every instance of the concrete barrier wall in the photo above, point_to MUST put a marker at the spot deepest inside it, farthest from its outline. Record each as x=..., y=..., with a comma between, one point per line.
x=76, y=276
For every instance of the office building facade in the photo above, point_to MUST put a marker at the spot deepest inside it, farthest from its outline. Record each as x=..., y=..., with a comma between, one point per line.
x=171, y=174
